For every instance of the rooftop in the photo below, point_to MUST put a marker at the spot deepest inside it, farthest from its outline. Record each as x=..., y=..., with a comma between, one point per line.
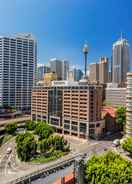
x=121, y=41
x=20, y=35
x=109, y=110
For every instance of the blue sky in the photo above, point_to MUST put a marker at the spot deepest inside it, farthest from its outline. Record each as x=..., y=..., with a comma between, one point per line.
x=62, y=26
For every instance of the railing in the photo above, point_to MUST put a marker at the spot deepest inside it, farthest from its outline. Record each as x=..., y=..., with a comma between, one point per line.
x=43, y=172
x=17, y=120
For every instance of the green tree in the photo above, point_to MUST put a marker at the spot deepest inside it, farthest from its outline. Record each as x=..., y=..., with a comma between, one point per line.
x=60, y=144
x=30, y=125
x=109, y=168
x=54, y=142
x=44, y=146
x=26, y=146
x=127, y=144
x=121, y=116
x=43, y=130
x=13, y=109
x=11, y=128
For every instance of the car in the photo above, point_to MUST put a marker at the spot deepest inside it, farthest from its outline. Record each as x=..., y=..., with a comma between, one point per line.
x=108, y=133
x=9, y=150
x=116, y=142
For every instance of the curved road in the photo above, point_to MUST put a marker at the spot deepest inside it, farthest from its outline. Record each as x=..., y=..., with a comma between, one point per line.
x=11, y=168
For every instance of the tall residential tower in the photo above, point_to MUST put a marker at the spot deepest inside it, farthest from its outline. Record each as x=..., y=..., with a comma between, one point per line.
x=18, y=59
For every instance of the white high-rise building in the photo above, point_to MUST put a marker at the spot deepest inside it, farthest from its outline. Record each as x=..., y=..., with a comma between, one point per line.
x=60, y=67
x=18, y=59
x=121, y=61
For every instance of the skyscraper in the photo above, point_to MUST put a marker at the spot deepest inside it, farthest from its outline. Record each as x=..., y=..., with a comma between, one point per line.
x=94, y=72
x=65, y=69
x=103, y=70
x=18, y=59
x=60, y=67
x=121, y=61
x=41, y=70
x=75, y=74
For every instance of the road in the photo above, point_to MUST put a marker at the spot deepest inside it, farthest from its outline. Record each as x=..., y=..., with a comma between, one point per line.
x=97, y=148
x=11, y=168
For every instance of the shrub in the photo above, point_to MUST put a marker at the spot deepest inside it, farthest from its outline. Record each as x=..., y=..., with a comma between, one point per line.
x=30, y=125
x=127, y=144
x=11, y=128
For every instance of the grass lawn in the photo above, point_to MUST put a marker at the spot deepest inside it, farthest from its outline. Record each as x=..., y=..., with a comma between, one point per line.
x=44, y=159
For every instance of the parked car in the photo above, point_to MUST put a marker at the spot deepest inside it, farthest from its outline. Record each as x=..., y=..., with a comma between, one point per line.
x=116, y=142
x=9, y=150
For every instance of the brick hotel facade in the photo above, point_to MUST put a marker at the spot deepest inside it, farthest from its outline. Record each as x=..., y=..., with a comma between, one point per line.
x=73, y=109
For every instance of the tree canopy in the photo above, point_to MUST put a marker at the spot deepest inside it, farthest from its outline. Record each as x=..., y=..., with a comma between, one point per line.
x=121, y=116
x=43, y=130
x=30, y=125
x=109, y=168
x=11, y=128
x=26, y=146
x=55, y=142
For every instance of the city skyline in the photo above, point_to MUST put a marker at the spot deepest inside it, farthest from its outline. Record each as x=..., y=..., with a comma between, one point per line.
x=61, y=28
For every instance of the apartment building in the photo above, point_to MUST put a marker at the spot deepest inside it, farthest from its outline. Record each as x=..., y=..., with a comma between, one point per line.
x=18, y=59
x=129, y=105
x=115, y=96
x=70, y=107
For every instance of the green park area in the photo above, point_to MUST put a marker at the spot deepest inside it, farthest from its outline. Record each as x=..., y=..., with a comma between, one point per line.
x=39, y=144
